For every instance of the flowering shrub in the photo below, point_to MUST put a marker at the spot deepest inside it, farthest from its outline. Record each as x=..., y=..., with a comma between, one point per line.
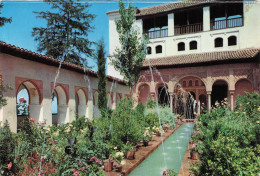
x=227, y=142
x=147, y=134
x=169, y=172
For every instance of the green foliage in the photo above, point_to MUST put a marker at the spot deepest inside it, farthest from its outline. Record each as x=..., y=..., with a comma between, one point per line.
x=125, y=126
x=150, y=104
x=4, y=20
x=228, y=142
x=101, y=62
x=65, y=36
x=129, y=58
x=7, y=145
x=166, y=116
x=250, y=104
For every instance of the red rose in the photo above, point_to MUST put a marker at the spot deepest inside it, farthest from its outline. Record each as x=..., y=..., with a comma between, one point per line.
x=31, y=120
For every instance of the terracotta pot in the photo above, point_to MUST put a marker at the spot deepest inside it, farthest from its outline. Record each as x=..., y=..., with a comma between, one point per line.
x=130, y=155
x=108, y=165
x=146, y=143
x=194, y=155
x=158, y=133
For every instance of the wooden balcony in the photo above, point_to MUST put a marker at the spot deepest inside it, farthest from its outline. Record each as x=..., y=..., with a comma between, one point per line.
x=227, y=23
x=157, y=34
x=187, y=29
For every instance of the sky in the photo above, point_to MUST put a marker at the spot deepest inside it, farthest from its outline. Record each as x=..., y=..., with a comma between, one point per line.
x=19, y=32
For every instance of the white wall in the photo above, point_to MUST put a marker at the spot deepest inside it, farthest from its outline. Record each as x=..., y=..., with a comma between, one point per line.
x=248, y=36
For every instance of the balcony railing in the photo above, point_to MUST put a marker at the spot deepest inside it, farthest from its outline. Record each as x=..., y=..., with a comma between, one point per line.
x=227, y=23
x=157, y=33
x=192, y=28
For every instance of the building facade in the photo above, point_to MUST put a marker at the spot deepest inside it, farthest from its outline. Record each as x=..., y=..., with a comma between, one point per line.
x=209, y=48
x=75, y=88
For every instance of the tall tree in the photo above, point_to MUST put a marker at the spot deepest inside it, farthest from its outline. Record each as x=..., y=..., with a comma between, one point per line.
x=128, y=59
x=65, y=36
x=102, y=81
x=3, y=20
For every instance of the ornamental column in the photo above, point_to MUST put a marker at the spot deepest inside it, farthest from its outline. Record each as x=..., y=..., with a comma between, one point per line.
x=209, y=100
x=232, y=99
x=171, y=100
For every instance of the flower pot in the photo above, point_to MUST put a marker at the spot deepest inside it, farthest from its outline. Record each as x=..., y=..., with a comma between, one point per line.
x=108, y=165
x=158, y=133
x=146, y=143
x=194, y=155
x=130, y=155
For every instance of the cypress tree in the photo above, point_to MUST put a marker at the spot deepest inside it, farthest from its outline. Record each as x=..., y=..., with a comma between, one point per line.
x=102, y=81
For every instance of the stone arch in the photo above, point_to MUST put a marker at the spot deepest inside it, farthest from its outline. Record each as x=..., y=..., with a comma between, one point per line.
x=34, y=90
x=219, y=92
x=143, y=93
x=162, y=93
x=241, y=86
x=82, y=101
x=118, y=98
x=62, y=116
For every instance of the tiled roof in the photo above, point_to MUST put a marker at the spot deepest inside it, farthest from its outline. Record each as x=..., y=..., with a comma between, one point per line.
x=169, y=7
x=166, y=7
x=199, y=58
x=30, y=55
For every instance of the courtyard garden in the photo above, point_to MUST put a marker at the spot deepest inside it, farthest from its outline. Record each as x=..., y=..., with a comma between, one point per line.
x=83, y=146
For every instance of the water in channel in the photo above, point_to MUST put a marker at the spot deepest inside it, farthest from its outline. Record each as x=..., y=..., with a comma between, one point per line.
x=174, y=150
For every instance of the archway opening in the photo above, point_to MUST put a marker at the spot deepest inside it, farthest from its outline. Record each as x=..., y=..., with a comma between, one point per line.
x=163, y=95
x=81, y=103
x=28, y=102
x=60, y=115
x=219, y=91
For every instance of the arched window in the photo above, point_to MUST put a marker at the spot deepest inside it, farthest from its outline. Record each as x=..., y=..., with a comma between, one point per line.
x=54, y=104
x=196, y=83
x=23, y=101
x=184, y=83
x=149, y=50
x=158, y=49
x=193, y=45
x=218, y=42
x=190, y=83
x=181, y=46
x=232, y=40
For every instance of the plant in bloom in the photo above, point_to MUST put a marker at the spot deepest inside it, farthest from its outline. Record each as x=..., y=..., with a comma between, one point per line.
x=22, y=100
x=32, y=120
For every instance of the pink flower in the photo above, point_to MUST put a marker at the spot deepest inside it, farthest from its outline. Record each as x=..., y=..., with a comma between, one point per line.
x=32, y=120
x=193, y=146
x=82, y=169
x=76, y=173
x=54, y=142
x=22, y=100
x=9, y=166
x=92, y=158
x=73, y=170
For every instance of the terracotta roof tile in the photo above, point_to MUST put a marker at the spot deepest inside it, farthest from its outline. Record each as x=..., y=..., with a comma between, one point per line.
x=33, y=56
x=166, y=7
x=198, y=58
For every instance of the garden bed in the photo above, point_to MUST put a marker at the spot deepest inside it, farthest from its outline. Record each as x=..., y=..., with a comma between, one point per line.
x=142, y=153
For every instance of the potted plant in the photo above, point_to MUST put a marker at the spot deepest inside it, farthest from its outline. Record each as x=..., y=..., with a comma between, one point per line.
x=169, y=172
x=166, y=127
x=108, y=164
x=158, y=131
x=129, y=151
x=147, y=136
x=117, y=157
x=193, y=152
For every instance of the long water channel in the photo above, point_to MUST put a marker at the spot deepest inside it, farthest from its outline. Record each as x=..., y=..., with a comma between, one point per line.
x=174, y=150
